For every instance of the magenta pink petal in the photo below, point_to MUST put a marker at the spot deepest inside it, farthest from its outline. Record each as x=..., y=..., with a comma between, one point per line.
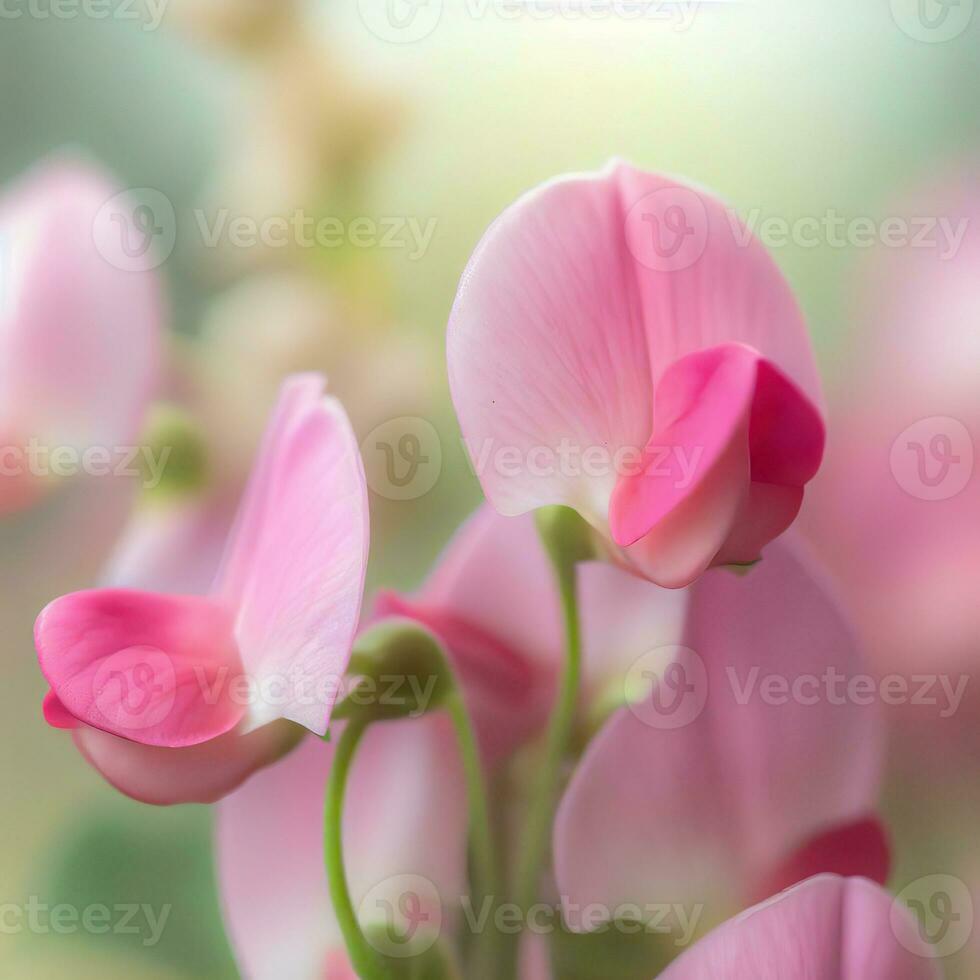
x=828, y=928
x=707, y=799
x=155, y=669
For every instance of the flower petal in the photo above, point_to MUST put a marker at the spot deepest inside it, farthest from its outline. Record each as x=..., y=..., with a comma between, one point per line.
x=405, y=815
x=297, y=560
x=155, y=669
x=79, y=336
x=708, y=798
x=828, y=928
x=201, y=773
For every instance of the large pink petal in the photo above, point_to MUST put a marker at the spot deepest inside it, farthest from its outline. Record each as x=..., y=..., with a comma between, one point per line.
x=155, y=669
x=297, y=560
x=405, y=815
x=565, y=290
x=828, y=928
x=79, y=335
x=707, y=807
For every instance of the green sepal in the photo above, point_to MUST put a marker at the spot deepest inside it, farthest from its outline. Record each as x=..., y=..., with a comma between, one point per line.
x=567, y=537
x=400, y=671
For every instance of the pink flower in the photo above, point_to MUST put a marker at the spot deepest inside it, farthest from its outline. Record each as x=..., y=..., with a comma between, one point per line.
x=492, y=601
x=896, y=511
x=405, y=839
x=753, y=762
x=178, y=697
x=827, y=928
x=79, y=336
x=620, y=344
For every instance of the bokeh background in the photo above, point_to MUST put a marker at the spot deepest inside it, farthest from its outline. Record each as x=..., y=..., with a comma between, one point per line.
x=788, y=110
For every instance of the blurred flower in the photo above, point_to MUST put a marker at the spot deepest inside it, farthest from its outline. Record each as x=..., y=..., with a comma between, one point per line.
x=79, y=330
x=492, y=601
x=405, y=844
x=606, y=313
x=247, y=25
x=150, y=683
x=896, y=513
x=271, y=325
x=827, y=928
x=747, y=765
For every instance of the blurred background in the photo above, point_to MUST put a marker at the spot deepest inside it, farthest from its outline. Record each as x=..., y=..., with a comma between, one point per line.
x=829, y=127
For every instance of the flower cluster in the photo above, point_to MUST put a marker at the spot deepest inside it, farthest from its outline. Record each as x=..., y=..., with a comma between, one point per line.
x=546, y=755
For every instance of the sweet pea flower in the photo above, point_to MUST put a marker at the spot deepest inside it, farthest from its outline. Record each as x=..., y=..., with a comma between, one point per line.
x=827, y=928
x=896, y=511
x=621, y=344
x=404, y=833
x=491, y=599
x=751, y=763
x=79, y=332
x=178, y=698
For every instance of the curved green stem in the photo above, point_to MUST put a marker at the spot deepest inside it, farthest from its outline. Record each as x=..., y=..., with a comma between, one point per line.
x=537, y=832
x=366, y=962
x=481, y=831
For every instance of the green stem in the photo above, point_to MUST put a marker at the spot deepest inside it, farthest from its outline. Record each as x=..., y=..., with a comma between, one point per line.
x=481, y=832
x=367, y=964
x=537, y=833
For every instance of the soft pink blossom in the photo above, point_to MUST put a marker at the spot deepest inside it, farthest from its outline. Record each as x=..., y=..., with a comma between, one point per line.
x=670, y=396
x=153, y=683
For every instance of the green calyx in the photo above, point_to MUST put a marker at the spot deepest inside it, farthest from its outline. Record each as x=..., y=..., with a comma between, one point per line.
x=566, y=536
x=401, y=671
x=174, y=457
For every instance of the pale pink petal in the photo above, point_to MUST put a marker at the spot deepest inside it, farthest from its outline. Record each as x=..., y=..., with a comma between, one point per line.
x=172, y=547
x=296, y=564
x=405, y=815
x=565, y=323
x=156, y=669
x=79, y=336
x=202, y=773
x=828, y=928
x=708, y=807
